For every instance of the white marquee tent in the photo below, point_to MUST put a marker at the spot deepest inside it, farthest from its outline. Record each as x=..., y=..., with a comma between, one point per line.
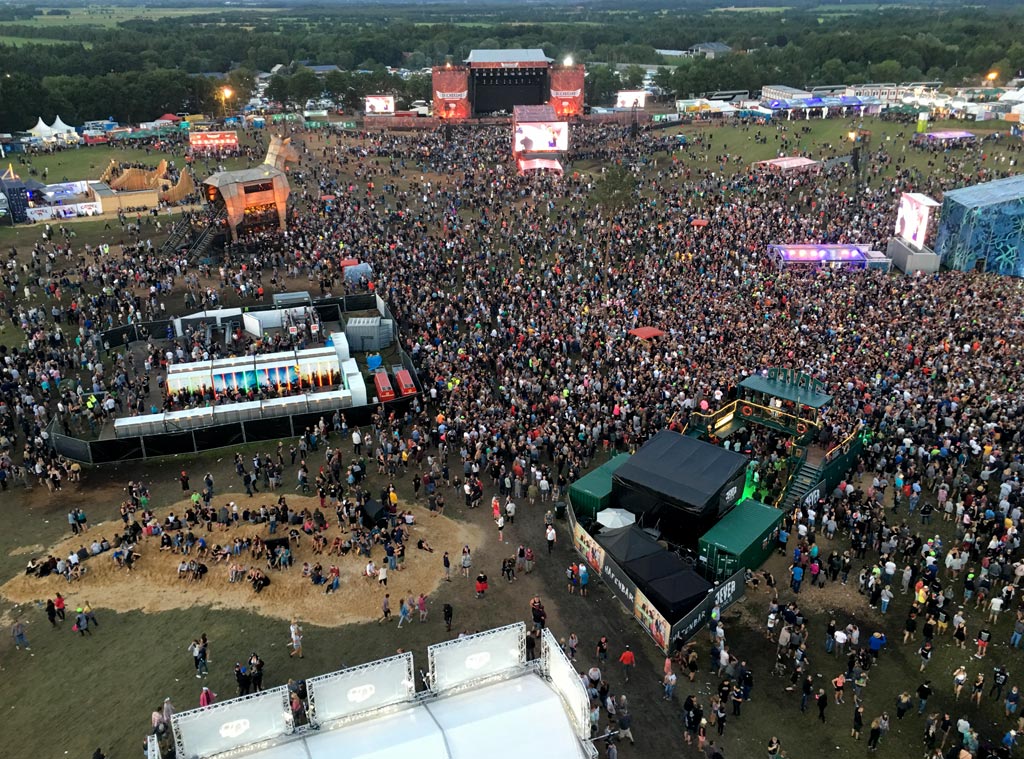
x=40, y=130
x=59, y=127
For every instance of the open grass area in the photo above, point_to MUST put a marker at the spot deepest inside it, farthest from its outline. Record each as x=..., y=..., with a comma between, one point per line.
x=110, y=16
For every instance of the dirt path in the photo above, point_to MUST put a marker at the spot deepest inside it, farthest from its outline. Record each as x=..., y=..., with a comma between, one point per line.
x=154, y=586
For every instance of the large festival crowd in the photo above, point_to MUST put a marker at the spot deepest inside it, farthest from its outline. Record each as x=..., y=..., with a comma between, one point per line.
x=516, y=294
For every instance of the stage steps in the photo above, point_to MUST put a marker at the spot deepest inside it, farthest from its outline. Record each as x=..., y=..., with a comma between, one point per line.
x=807, y=476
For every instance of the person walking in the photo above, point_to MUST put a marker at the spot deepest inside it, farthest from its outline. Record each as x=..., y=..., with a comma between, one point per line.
x=467, y=561
x=60, y=605
x=551, y=536
x=81, y=623
x=51, y=612
x=18, y=634
x=669, y=682
x=404, y=615
x=924, y=692
x=628, y=662
x=385, y=609
x=446, y=562
x=448, y=612
x=295, y=629
x=875, y=735
x=421, y=607
x=858, y=723
x=822, y=704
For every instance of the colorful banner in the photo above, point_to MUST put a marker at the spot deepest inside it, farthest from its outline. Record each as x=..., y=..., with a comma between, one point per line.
x=567, y=91
x=588, y=548
x=652, y=620
x=451, y=92
x=213, y=140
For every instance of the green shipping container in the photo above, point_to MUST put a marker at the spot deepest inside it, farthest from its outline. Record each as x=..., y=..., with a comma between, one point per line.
x=593, y=492
x=743, y=539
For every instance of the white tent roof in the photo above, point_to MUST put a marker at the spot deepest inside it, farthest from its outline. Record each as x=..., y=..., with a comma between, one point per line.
x=516, y=718
x=59, y=127
x=40, y=129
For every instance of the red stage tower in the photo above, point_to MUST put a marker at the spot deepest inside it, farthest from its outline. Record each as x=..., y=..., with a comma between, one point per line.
x=496, y=81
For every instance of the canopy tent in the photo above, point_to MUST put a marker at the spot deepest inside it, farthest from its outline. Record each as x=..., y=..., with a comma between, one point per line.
x=646, y=333
x=674, y=472
x=788, y=163
x=59, y=127
x=674, y=595
x=170, y=117
x=801, y=395
x=628, y=543
x=539, y=164
x=41, y=130
x=614, y=518
x=654, y=566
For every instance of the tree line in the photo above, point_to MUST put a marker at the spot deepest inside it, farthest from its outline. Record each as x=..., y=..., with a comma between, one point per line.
x=142, y=68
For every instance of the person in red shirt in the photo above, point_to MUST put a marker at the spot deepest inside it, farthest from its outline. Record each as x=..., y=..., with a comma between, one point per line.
x=628, y=661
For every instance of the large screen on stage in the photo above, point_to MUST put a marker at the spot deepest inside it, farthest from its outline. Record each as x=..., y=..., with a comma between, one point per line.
x=542, y=137
x=912, y=218
x=630, y=99
x=380, y=104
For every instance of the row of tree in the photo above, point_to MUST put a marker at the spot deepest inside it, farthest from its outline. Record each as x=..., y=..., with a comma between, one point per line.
x=795, y=47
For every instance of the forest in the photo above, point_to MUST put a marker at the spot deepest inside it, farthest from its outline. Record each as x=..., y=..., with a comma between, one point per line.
x=135, y=69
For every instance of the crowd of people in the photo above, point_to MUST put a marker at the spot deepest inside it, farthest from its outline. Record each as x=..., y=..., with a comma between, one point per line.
x=515, y=296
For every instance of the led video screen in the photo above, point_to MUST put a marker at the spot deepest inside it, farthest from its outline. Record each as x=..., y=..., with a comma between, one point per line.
x=380, y=104
x=912, y=218
x=631, y=99
x=542, y=137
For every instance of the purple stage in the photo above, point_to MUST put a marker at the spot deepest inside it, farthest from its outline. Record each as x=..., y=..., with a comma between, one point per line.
x=846, y=256
x=951, y=135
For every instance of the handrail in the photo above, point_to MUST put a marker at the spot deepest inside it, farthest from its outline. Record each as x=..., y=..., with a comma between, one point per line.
x=774, y=414
x=831, y=453
x=801, y=460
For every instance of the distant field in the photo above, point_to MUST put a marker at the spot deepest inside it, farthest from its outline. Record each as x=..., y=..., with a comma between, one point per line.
x=112, y=16
x=752, y=9
x=22, y=41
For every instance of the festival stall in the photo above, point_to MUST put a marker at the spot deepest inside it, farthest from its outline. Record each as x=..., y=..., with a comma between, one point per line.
x=593, y=492
x=744, y=539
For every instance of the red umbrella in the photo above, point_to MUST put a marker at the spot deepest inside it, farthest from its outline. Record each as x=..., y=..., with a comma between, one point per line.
x=647, y=333
x=699, y=223
x=326, y=197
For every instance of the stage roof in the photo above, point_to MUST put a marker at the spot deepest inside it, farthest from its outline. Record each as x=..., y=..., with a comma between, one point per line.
x=999, y=191
x=514, y=718
x=788, y=163
x=261, y=172
x=528, y=113
x=805, y=253
x=513, y=55
x=787, y=391
x=688, y=470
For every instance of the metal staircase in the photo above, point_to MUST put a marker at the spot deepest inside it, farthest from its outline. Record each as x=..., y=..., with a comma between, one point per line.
x=807, y=476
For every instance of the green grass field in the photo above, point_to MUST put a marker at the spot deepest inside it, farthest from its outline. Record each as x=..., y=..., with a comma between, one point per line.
x=110, y=16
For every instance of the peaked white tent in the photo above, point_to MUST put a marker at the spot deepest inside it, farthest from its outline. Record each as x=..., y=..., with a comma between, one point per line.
x=59, y=127
x=41, y=130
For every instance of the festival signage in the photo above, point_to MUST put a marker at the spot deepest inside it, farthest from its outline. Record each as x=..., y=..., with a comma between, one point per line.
x=213, y=140
x=723, y=596
x=588, y=548
x=652, y=620
x=619, y=582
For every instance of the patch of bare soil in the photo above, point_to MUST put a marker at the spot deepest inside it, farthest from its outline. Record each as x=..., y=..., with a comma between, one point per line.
x=154, y=586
